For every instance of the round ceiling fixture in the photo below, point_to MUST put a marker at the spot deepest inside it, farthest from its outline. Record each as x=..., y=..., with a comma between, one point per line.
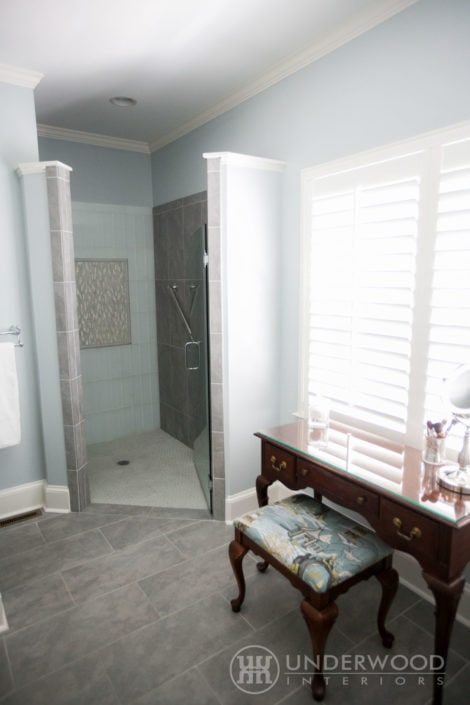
x=122, y=101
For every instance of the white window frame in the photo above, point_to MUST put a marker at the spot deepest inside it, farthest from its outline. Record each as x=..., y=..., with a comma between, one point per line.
x=431, y=142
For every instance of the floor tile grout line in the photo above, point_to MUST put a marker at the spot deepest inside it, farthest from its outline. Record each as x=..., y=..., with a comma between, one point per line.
x=69, y=593
x=159, y=616
x=82, y=531
x=101, y=649
x=95, y=651
x=458, y=673
x=18, y=528
x=112, y=686
x=10, y=667
x=287, y=697
x=209, y=685
x=201, y=599
x=18, y=630
x=416, y=601
x=126, y=636
x=269, y=623
x=80, y=605
x=179, y=609
x=51, y=544
x=402, y=615
x=116, y=552
x=194, y=521
x=113, y=550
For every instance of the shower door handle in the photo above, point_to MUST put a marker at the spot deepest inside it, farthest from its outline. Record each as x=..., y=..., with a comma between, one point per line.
x=192, y=355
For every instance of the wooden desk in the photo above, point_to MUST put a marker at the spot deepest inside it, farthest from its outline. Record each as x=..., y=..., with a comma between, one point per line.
x=406, y=507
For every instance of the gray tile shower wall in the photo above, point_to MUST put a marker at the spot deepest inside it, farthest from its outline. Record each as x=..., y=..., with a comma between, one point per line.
x=178, y=263
x=60, y=218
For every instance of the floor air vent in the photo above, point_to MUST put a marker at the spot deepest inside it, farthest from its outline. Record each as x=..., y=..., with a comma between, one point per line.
x=20, y=517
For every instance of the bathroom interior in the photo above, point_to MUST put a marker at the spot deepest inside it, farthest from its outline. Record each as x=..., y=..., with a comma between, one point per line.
x=142, y=311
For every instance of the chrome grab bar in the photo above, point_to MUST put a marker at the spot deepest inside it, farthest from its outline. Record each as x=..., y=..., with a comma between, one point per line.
x=173, y=288
x=192, y=360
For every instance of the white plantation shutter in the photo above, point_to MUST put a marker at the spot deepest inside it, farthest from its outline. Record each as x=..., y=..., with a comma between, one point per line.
x=449, y=335
x=387, y=286
x=362, y=259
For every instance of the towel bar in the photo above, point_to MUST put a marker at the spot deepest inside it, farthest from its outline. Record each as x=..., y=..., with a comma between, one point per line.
x=13, y=330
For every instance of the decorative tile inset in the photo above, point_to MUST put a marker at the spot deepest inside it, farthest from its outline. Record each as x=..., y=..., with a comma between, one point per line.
x=103, y=302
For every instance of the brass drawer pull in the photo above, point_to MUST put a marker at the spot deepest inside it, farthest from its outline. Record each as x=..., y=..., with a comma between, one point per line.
x=415, y=532
x=279, y=468
x=360, y=499
x=304, y=472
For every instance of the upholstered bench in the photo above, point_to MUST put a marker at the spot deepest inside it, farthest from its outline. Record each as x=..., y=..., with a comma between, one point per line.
x=323, y=553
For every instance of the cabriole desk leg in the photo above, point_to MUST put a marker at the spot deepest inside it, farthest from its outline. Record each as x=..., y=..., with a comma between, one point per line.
x=446, y=596
x=262, y=484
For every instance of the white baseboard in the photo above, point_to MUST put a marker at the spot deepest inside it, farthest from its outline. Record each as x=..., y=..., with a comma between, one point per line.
x=57, y=499
x=410, y=576
x=31, y=496
x=407, y=566
x=246, y=501
x=239, y=503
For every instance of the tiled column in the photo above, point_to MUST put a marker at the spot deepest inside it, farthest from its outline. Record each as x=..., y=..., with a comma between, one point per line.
x=215, y=337
x=63, y=263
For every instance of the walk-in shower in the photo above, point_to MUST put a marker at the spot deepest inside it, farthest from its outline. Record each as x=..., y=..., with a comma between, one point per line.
x=145, y=373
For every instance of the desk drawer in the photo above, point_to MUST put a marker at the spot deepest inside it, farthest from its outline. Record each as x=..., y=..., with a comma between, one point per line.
x=347, y=494
x=278, y=464
x=408, y=530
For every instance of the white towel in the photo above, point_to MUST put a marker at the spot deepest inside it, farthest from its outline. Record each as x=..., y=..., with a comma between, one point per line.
x=10, y=428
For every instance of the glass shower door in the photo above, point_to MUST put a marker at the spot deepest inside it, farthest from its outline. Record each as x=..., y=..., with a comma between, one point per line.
x=197, y=363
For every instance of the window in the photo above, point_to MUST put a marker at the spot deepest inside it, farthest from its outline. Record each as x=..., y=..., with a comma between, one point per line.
x=387, y=282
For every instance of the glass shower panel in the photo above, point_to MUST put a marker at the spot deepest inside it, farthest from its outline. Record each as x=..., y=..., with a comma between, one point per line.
x=197, y=362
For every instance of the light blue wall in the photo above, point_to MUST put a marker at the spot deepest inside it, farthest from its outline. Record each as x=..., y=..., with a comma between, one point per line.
x=18, y=143
x=102, y=175
x=406, y=76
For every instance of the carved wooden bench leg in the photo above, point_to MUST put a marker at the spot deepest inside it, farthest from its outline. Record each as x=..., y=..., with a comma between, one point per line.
x=319, y=624
x=236, y=553
x=388, y=580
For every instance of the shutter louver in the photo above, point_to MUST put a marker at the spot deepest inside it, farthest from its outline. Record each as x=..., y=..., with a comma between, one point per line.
x=387, y=291
x=449, y=335
x=361, y=295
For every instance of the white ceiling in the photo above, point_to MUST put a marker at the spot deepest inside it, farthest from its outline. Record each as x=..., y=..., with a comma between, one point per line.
x=184, y=61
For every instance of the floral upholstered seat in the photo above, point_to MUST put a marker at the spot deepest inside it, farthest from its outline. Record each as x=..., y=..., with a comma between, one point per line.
x=319, y=545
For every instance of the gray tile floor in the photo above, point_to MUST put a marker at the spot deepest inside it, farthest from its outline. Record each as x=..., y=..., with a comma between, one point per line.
x=129, y=606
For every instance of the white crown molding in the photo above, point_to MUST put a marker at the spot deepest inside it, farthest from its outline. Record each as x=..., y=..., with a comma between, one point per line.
x=19, y=77
x=246, y=160
x=28, y=168
x=367, y=21
x=92, y=138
